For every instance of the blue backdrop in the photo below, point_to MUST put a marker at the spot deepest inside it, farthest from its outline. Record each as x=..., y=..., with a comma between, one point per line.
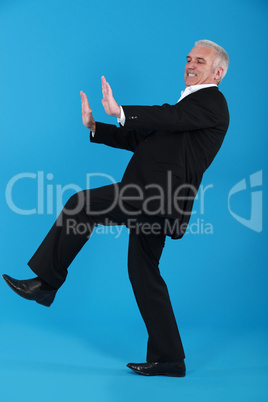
x=217, y=274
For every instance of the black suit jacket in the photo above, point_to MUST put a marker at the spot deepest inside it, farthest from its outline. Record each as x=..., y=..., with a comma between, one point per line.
x=173, y=145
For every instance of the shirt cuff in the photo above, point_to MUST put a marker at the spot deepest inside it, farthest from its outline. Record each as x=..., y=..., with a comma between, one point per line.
x=122, y=118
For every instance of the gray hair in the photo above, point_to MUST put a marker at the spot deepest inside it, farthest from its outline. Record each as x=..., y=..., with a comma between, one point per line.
x=222, y=58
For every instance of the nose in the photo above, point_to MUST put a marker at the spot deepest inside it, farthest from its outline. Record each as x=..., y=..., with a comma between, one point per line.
x=191, y=65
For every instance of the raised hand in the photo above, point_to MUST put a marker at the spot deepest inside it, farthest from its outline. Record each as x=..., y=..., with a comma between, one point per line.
x=87, y=117
x=111, y=107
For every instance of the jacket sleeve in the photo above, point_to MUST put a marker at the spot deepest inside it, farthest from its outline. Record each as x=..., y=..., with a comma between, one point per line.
x=118, y=137
x=203, y=109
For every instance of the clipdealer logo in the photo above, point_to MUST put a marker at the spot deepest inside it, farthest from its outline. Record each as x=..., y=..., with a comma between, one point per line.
x=255, y=221
x=49, y=198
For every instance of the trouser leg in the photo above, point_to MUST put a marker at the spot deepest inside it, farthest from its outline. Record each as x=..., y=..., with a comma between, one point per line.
x=164, y=342
x=71, y=231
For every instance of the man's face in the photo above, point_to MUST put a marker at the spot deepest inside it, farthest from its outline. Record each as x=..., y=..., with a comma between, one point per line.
x=199, y=67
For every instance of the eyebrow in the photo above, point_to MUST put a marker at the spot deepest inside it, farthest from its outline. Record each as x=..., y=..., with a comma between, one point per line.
x=198, y=58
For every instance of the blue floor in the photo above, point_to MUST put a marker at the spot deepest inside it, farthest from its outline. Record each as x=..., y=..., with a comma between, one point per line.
x=42, y=363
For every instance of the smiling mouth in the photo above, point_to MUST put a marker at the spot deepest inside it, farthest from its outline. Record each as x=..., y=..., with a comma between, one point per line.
x=191, y=75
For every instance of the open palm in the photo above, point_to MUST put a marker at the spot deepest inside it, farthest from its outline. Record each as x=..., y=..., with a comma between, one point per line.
x=87, y=116
x=111, y=107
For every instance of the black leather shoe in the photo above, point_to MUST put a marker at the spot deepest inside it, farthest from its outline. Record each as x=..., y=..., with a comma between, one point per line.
x=171, y=369
x=32, y=289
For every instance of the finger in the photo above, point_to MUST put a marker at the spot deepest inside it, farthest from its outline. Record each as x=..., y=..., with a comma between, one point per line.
x=104, y=86
x=109, y=89
x=106, y=89
x=82, y=101
x=86, y=109
x=103, y=81
x=85, y=100
x=82, y=94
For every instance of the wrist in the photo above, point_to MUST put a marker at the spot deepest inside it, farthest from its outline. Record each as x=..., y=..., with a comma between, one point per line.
x=93, y=127
x=118, y=115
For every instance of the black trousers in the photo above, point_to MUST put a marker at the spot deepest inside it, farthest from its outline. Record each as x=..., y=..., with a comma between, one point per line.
x=71, y=231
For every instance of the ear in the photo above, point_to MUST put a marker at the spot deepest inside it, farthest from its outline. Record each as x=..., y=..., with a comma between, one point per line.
x=218, y=73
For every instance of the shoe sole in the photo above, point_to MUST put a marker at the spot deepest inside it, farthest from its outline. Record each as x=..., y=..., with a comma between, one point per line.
x=164, y=374
x=174, y=373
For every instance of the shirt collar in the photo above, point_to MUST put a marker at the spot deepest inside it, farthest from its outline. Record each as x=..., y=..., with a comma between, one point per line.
x=194, y=88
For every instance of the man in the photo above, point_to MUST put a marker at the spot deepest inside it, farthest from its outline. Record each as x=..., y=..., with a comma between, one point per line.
x=173, y=145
